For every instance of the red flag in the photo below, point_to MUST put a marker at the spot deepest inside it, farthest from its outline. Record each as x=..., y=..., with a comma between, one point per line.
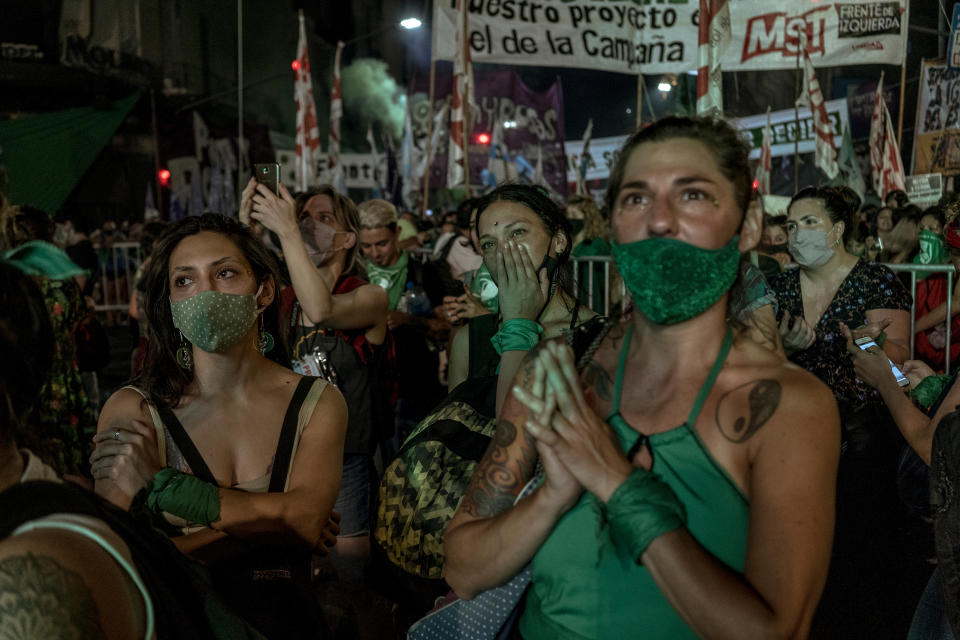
x=826, y=151
x=308, y=137
x=714, y=36
x=336, y=111
x=885, y=163
x=460, y=101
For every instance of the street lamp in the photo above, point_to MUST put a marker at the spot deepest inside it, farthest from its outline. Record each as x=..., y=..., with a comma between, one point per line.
x=410, y=23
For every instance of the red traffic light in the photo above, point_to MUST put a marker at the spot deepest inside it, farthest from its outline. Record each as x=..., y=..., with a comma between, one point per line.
x=483, y=138
x=756, y=185
x=295, y=65
x=164, y=177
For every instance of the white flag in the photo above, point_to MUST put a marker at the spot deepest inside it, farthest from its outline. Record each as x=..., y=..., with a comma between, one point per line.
x=714, y=37
x=308, y=137
x=885, y=163
x=825, y=156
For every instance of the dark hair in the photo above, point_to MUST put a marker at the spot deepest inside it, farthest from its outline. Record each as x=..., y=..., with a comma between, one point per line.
x=899, y=197
x=162, y=378
x=729, y=149
x=151, y=233
x=775, y=221
x=937, y=211
x=840, y=203
x=25, y=223
x=463, y=213
x=551, y=215
x=26, y=342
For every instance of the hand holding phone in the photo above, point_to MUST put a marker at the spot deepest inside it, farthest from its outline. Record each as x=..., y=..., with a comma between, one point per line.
x=268, y=175
x=866, y=343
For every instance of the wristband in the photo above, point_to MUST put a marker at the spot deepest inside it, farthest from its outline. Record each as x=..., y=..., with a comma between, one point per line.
x=184, y=496
x=516, y=334
x=641, y=510
x=881, y=338
x=929, y=389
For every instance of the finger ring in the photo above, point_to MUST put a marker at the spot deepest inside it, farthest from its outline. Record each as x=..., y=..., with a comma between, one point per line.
x=116, y=434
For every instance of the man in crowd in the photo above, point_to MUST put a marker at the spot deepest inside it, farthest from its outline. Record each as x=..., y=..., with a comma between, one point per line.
x=455, y=248
x=415, y=290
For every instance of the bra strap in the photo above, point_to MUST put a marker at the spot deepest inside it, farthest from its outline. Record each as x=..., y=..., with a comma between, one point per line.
x=183, y=441
x=711, y=378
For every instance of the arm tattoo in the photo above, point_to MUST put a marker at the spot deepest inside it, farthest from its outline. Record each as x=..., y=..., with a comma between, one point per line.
x=498, y=479
x=39, y=598
x=763, y=400
x=529, y=363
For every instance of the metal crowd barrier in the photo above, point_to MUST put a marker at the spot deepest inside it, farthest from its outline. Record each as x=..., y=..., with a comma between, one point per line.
x=118, y=265
x=913, y=269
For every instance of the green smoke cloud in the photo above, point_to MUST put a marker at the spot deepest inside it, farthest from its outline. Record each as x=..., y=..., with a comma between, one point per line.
x=370, y=95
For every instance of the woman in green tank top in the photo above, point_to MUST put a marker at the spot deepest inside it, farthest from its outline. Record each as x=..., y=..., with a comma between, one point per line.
x=689, y=473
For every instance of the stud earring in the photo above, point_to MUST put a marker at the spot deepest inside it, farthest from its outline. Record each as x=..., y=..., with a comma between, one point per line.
x=184, y=355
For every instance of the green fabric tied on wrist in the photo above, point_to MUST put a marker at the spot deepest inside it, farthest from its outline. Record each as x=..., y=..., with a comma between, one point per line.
x=517, y=334
x=184, y=496
x=929, y=389
x=641, y=510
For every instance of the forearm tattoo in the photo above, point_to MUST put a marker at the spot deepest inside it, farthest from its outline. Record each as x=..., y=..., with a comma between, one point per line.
x=39, y=598
x=762, y=402
x=498, y=479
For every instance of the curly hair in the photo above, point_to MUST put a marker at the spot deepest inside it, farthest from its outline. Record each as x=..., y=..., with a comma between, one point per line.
x=594, y=224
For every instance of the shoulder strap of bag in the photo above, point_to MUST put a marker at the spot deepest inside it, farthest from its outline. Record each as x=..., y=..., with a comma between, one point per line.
x=186, y=446
x=288, y=433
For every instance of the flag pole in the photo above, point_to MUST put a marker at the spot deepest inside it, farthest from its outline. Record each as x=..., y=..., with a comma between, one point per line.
x=640, y=83
x=903, y=86
x=796, y=130
x=467, y=130
x=239, y=185
x=429, y=143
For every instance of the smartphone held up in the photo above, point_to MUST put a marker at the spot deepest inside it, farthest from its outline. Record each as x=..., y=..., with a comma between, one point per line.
x=866, y=342
x=268, y=174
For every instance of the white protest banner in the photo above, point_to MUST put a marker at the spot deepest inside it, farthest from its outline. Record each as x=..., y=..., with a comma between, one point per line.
x=660, y=36
x=361, y=170
x=603, y=151
x=783, y=128
x=925, y=189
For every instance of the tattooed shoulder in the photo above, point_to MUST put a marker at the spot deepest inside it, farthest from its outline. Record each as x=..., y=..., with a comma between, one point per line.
x=43, y=599
x=742, y=412
x=500, y=475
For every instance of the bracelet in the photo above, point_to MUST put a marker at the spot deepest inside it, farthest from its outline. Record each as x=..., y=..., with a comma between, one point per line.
x=881, y=338
x=929, y=389
x=641, y=510
x=516, y=334
x=184, y=496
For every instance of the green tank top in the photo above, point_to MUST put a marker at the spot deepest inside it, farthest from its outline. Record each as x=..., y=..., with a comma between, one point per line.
x=585, y=587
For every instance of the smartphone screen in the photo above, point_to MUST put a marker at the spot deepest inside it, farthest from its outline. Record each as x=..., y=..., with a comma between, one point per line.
x=269, y=175
x=866, y=343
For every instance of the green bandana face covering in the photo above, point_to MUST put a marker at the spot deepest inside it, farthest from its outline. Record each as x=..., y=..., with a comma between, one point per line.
x=932, y=249
x=214, y=321
x=672, y=281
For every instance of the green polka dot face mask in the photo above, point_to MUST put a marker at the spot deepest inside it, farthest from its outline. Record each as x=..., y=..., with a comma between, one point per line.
x=215, y=321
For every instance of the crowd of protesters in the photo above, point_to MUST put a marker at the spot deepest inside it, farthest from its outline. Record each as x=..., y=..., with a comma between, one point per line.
x=670, y=412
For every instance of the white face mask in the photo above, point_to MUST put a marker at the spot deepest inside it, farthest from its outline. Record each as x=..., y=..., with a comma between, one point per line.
x=809, y=248
x=318, y=237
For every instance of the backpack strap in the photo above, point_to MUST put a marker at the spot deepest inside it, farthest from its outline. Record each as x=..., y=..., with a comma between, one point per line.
x=186, y=446
x=288, y=433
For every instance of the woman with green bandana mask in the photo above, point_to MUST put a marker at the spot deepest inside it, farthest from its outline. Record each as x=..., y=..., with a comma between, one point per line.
x=665, y=459
x=833, y=292
x=240, y=455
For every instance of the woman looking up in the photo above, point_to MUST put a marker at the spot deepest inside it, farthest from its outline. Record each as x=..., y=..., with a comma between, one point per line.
x=238, y=452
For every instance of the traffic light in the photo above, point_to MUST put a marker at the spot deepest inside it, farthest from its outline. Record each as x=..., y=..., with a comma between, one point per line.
x=295, y=65
x=163, y=177
x=483, y=138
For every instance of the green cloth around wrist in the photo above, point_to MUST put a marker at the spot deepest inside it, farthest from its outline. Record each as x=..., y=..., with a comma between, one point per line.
x=517, y=334
x=184, y=496
x=929, y=389
x=641, y=510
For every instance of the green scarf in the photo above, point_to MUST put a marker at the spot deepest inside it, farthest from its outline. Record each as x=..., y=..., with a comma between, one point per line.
x=393, y=279
x=38, y=258
x=932, y=251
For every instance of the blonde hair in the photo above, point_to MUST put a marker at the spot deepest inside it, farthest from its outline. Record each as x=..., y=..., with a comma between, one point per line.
x=594, y=226
x=377, y=213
